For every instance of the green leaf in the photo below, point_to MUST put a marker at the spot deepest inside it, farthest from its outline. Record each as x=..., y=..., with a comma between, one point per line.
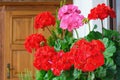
x=117, y=61
x=57, y=45
x=117, y=58
x=40, y=74
x=54, y=35
x=118, y=73
x=110, y=69
x=64, y=44
x=109, y=51
x=68, y=34
x=63, y=77
x=93, y=35
x=106, y=42
x=49, y=75
x=110, y=48
x=51, y=41
x=56, y=78
x=100, y=72
x=67, y=75
x=91, y=76
x=58, y=29
x=110, y=33
x=77, y=74
x=110, y=74
x=110, y=63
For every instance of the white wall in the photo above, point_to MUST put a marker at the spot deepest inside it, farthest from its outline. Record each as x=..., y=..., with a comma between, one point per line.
x=85, y=6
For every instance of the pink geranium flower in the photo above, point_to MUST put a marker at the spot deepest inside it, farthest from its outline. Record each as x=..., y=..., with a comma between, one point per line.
x=71, y=21
x=67, y=9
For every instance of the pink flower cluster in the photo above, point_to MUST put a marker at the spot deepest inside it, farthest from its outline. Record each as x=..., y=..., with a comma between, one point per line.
x=70, y=17
x=66, y=10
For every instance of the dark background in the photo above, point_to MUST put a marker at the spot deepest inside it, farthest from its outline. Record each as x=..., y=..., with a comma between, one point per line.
x=115, y=23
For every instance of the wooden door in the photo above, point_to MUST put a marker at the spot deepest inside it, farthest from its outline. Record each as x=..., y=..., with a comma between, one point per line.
x=18, y=25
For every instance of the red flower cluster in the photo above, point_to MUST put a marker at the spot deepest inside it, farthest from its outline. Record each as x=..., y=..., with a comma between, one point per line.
x=88, y=56
x=47, y=59
x=43, y=58
x=101, y=12
x=34, y=41
x=62, y=61
x=44, y=19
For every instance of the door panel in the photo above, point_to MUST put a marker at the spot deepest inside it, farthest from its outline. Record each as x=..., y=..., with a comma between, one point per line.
x=20, y=31
x=21, y=61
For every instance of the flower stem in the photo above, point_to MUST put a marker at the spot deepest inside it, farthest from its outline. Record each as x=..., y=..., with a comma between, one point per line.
x=102, y=25
x=91, y=76
x=49, y=30
x=88, y=76
x=63, y=34
x=77, y=33
x=89, y=26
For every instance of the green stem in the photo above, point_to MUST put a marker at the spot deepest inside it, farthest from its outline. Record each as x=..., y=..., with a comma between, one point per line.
x=89, y=26
x=102, y=25
x=91, y=76
x=64, y=2
x=77, y=33
x=63, y=34
x=88, y=76
x=51, y=33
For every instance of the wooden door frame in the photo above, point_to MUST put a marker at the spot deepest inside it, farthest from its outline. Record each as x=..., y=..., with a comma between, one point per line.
x=1, y=42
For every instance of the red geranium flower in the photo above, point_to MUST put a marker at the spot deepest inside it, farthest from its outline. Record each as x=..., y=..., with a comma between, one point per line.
x=34, y=41
x=62, y=61
x=88, y=56
x=98, y=45
x=101, y=12
x=43, y=20
x=43, y=58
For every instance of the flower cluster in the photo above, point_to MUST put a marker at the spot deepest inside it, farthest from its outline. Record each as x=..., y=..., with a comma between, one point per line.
x=43, y=58
x=62, y=61
x=34, y=41
x=44, y=19
x=101, y=12
x=87, y=57
x=82, y=56
x=70, y=17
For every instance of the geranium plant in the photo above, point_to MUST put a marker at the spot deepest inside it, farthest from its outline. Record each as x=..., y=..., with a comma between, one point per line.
x=63, y=57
